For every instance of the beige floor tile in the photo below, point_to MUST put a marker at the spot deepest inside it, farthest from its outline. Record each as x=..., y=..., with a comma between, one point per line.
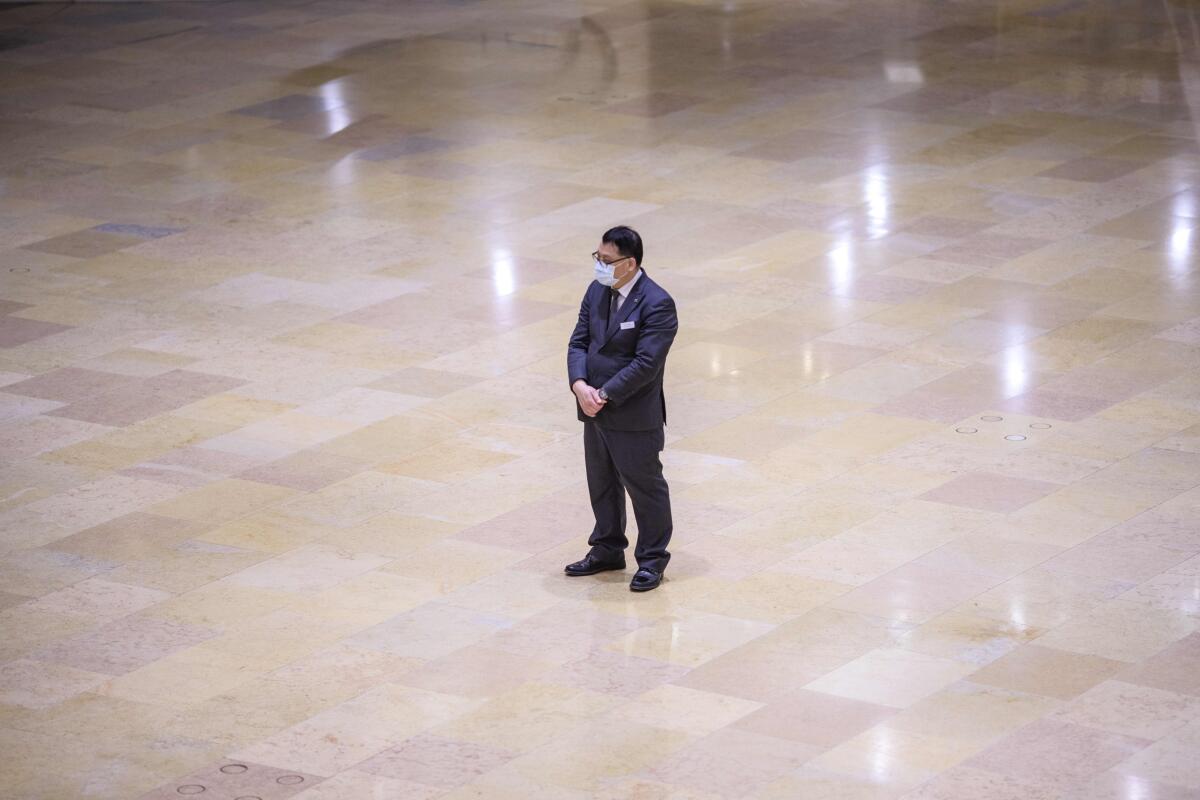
x=972, y=712
x=1046, y=671
x=1167, y=760
x=353, y=731
x=690, y=711
x=1125, y=708
x=967, y=637
x=222, y=501
x=894, y=758
x=631, y=748
x=910, y=676
x=690, y=640
x=1121, y=631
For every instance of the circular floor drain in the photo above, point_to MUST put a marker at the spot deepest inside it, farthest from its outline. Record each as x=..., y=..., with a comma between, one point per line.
x=1040, y=426
x=992, y=418
x=289, y=780
x=191, y=788
x=248, y=797
x=234, y=769
x=966, y=430
x=1015, y=437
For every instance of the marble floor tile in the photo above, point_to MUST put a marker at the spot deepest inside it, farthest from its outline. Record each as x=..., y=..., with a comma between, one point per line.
x=352, y=732
x=616, y=673
x=477, y=671
x=36, y=684
x=1113, y=784
x=351, y=783
x=911, y=677
x=433, y=761
x=1121, y=631
x=990, y=492
x=1169, y=592
x=1170, y=669
x=914, y=593
x=967, y=637
x=972, y=714
x=99, y=599
x=1131, y=562
x=988, y=555
x=429, y=631
x=1139, y=711
x=17, y=331
x=308, y=569
x=689, y=640
x=732, y=763
x=1056, y=754
x=124, y=645
x=68, y=384
x=529, y=717
x=1166, y=761
x=897, y=759
x=623, y=758
x=233, y=778
x=688, y=710
x=822, y=784
x=304, y=471
x=815, y=718
x=966, y=781
x=1046, y=671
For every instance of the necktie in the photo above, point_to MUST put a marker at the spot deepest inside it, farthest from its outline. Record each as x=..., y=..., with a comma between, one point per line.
x=613, y=297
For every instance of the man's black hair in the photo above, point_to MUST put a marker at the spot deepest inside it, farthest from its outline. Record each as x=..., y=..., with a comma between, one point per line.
x=626, y=240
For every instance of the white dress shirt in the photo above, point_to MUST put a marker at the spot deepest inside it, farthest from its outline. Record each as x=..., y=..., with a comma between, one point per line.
x=624, y=291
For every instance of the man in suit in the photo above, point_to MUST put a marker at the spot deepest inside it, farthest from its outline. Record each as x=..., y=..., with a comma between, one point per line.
x=615, y=364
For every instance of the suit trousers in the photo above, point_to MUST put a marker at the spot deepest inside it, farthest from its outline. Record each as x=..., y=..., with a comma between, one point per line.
x=628, y=461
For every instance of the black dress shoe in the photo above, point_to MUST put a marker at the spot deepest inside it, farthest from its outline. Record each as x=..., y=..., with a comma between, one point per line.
x=645, y=579
x=590, y=565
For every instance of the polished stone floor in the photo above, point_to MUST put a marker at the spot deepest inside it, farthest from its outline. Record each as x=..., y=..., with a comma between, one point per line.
x=290, y=467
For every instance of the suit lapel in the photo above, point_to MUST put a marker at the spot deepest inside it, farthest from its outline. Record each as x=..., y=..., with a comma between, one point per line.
x=628, y=307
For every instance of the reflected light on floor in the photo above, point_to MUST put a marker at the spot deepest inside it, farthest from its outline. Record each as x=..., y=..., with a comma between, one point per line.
x=504, y=279
x=903, y=72
x=882, y=746
x=1179, y=248
x=1016, y=371
x=1016, y=613
x=808, y=365
x=714, y=365
x=841, y=266
x=878, y=200
x=1135, y=788
x=337, y=117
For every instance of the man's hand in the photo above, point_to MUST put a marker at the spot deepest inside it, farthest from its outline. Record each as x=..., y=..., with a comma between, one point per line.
x=589, y=398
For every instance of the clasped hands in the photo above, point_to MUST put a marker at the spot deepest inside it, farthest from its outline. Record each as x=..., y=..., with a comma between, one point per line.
x=589, y=397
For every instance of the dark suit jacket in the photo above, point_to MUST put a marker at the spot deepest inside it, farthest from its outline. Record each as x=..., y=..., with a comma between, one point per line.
x=626, y=362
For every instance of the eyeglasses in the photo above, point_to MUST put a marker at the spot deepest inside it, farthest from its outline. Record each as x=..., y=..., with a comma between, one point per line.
x=596, y=257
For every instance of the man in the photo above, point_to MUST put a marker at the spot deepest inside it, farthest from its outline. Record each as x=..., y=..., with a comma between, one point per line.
x=615, y=364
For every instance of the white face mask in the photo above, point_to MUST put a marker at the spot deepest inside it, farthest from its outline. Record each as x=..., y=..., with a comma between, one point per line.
x=605, y=273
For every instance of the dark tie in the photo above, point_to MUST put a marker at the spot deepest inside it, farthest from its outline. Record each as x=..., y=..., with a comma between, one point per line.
x=614, y=297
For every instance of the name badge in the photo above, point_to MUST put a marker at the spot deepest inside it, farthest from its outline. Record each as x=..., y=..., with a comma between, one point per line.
x=627, y=325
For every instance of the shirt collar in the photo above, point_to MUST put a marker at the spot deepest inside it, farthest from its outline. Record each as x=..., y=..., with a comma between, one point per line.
x=627, y=288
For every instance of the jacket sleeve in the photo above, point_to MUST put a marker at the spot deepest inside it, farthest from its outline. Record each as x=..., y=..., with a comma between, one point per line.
x=659, y=327
x=581, y=339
